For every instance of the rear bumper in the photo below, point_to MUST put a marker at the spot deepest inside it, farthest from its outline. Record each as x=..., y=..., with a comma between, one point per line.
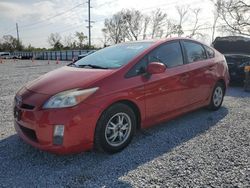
x=36, y=128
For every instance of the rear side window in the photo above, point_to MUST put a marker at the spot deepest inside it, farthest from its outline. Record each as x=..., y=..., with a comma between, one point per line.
x=195, y=52
x=170, y=54
x=210, y=52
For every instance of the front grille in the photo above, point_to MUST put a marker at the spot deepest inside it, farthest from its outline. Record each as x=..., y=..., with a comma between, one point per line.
x=230, y=65
x=27, y=106
x=31, y=134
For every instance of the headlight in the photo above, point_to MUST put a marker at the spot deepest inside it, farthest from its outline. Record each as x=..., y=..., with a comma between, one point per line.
x=69, y=98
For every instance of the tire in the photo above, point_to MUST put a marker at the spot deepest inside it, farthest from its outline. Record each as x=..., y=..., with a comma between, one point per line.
x=115, y=128
x=217, y=96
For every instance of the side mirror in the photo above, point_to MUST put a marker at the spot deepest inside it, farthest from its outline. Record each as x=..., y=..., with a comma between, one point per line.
x=155, y=68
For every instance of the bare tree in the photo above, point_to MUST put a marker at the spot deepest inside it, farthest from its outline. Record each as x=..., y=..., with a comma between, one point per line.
x=10, y=43
x=158, y=21
x=196, y=25
x=145, y=26
x=134, y=23
x=81, y=38
x=55, y=41
x=183, y=13
x=171, y=28
x=68, y=41
x=216, y=16
x=236, y=15
x=115, y=27
x=128, y=24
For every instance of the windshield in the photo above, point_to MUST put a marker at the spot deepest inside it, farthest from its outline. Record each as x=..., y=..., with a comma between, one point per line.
x=113, y=56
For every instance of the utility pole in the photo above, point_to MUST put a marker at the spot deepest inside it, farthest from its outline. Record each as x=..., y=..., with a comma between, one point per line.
x=89, y=24
x=17, y=33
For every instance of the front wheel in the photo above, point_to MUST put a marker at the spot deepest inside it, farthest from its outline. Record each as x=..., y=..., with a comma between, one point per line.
x=115, y=128
x=217, y=96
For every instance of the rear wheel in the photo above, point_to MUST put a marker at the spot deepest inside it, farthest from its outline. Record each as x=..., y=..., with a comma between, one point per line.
x=217, y=96
x=115, y=128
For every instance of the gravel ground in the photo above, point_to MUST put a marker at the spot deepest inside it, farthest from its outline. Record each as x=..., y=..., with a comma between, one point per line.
x=199, y=149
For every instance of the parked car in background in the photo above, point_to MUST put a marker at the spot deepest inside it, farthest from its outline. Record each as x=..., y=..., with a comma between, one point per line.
x=237, y=54
x=100, y=100
x=5, y=55
x=236, y=64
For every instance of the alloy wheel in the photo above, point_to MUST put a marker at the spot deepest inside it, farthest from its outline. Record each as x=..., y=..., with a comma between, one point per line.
x=218, y=96
x=118, y=129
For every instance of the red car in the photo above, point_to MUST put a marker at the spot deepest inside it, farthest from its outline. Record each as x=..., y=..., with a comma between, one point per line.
x=100, y=100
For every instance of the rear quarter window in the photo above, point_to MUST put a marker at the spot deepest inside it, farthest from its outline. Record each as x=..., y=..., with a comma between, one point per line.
x=210, y=52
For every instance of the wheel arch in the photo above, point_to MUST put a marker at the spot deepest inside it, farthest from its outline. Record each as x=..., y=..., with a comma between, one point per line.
x=135, y=108
x=132, y=105
x=219, y=80
x=222, y=81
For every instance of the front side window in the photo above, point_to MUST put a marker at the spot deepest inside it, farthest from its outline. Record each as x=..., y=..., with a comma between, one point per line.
x=113, y=56
x=195, y=52
x=170, y=54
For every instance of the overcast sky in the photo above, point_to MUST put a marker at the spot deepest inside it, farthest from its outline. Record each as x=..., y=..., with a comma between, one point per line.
x=37, y=19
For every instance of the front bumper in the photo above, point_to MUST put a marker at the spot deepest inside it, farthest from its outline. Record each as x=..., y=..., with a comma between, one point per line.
x=36, y=128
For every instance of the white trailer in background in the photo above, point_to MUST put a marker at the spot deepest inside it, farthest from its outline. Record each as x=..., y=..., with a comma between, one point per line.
x=5, y=55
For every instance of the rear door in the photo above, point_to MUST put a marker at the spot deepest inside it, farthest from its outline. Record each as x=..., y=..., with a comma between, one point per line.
x=201, y=67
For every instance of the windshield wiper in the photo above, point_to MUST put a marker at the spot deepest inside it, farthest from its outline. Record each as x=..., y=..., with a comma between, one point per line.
x=93, y=66
x=72, y=64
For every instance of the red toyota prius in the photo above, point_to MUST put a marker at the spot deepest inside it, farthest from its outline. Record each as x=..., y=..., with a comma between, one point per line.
x=100, y=100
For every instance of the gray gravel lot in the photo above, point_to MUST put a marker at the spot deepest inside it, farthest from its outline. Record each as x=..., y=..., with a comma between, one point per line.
x=199, y=149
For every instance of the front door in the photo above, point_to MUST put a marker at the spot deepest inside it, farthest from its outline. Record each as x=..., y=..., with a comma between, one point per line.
x=166, y=92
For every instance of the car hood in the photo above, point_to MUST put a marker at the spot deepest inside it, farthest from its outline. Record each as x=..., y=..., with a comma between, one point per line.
x=67, y=78
x=232, y=44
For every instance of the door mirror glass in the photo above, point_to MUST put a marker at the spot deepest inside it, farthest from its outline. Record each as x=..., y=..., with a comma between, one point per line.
x=156, y=68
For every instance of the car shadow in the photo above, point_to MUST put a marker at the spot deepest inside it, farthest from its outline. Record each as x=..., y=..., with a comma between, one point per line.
x=24, y=166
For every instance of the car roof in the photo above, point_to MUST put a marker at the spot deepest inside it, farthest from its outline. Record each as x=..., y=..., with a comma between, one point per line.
x=159, y=41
